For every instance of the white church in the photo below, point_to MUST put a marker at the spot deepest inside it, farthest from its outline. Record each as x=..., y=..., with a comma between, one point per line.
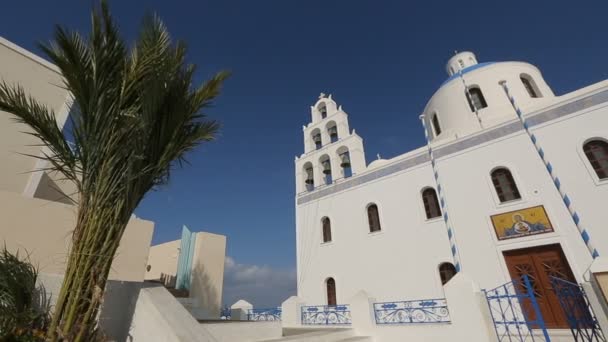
x=513, y=182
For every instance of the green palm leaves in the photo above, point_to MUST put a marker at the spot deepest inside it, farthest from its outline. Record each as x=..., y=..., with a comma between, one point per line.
x=135, y=115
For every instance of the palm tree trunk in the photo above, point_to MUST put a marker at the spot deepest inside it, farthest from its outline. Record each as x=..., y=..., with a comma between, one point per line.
x=95, y=241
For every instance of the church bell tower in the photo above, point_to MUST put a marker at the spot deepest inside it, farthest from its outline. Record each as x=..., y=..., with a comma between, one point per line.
x=332, y=153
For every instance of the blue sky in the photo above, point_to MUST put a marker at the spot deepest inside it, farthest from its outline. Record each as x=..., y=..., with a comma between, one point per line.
x=381, y=60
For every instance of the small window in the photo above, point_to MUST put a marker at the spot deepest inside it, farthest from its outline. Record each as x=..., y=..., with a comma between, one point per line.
x=476, y=99
x=373, y=218
x=431, y=204
x=461, y=63
x=330, y=285
x=597, y=154
x=505, y=186
x=436, y=126
x=530, y=86
x=446, y=271
x=326, y=229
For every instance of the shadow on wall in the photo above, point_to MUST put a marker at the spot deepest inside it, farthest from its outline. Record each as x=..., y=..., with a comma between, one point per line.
x=206, y=293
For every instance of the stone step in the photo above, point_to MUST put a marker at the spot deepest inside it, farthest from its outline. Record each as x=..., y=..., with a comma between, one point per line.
x=317, y=335
x=358, y=339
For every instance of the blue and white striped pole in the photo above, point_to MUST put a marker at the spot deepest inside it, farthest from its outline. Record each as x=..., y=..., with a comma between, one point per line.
x=442, y=201
x=567, y=202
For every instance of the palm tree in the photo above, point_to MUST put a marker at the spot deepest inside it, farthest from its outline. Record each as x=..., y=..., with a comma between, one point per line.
x=135, y=114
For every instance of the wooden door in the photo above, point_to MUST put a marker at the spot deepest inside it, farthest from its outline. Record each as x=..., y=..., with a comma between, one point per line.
x=541, y=263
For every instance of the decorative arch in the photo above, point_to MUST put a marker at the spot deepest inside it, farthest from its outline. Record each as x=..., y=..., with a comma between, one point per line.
x=373, y=218
x=476, y=99
x=332, y=131
x=504, y=184
x=596, y=151
x=326, y=229
x=530, y=85
x=447, y=271
x=431, y=203
x=330, y=288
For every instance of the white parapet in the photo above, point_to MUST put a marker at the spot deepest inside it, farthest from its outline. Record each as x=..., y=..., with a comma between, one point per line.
x=291, y=315
x=240, y=309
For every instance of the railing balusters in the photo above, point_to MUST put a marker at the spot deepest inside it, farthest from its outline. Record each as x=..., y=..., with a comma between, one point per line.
x=413, y=311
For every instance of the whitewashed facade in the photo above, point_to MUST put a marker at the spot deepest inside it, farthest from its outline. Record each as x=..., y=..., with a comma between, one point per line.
x=471, y=136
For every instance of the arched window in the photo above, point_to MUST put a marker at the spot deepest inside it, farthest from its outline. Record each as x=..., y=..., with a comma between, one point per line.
x=374, y=218
x=323, y=110
x=597, y=153
x=530, y=86
x=446, y=271
x=431, y=204
x=436, y=126
x=326, y=163
x=309, y=177
x=332, y=130
x=326, y=229
x=330, y=285
x=505, y=186
x=476, y=99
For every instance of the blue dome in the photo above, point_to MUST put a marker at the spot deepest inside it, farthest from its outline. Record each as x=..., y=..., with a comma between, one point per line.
x=465, y=70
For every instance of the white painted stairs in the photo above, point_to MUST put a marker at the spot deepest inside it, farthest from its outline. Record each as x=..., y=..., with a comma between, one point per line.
x=320, y=335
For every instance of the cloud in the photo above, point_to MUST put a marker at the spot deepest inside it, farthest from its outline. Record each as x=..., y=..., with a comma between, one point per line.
x=262, y=286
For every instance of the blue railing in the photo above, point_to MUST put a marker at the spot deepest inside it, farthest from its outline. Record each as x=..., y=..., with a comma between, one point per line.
x=326, y=315
x=579, y=314
x=264, y=314
x=225, y=313
x=515, y=311
x=413, y=311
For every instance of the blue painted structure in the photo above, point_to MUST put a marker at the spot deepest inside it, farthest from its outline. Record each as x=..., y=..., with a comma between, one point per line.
x=273, y=314
x=184, y=262
x=413, y=311
x=579, y=314
x=515, y=312
x=326, y=315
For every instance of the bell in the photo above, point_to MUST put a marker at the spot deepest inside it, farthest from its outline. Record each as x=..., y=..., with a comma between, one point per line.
x=309, y=177
x=316, y=138
x=333, y=131
x=326, y=167
x=345, y=160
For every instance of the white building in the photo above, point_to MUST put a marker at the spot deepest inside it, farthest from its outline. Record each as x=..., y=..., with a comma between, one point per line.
x=384, y=229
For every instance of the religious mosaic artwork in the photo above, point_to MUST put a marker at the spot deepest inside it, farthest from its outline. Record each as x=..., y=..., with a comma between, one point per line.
x=523, y=222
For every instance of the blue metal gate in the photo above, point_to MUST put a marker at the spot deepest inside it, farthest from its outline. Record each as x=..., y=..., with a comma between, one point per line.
x=579, y=314
x=515, y=312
